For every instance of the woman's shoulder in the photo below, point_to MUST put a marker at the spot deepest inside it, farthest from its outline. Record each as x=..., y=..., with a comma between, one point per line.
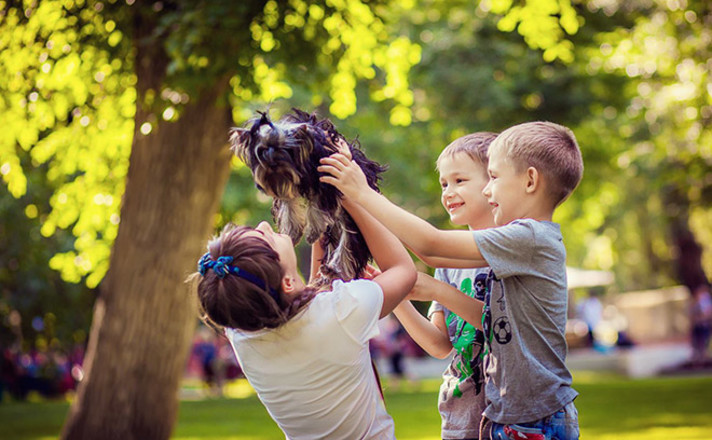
x=358, y=286
x=346, y=295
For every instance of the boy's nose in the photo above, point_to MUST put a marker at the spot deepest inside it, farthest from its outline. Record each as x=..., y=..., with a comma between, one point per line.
x=448, y=192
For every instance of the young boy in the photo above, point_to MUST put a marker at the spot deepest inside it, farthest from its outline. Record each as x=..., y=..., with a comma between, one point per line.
x=533, y=167
x=462, y=166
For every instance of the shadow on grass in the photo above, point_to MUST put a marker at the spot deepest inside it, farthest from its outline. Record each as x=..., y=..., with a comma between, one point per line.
x=610, y=408
x=414, y=408
x=32, y=420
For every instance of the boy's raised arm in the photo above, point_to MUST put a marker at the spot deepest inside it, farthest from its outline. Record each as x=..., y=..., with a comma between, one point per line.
x=452, y=263
x=421, y=237
x=428, y=288
x=425, y=333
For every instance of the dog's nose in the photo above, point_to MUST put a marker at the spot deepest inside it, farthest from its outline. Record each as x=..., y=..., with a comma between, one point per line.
x=266, y=154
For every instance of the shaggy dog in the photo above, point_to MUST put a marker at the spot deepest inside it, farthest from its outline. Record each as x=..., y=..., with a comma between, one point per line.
x=284, y=157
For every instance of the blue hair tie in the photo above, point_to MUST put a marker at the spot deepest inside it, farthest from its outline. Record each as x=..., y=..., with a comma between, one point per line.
x=205, y=263
x=222, y=267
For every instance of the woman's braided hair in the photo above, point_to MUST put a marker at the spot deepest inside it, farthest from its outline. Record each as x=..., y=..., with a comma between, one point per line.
x=234, y=302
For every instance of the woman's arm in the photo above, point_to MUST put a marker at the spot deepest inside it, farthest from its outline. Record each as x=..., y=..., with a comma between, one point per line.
x=398, y=273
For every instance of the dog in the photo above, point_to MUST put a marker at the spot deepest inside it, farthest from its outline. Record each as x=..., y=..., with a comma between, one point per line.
x=283, y=157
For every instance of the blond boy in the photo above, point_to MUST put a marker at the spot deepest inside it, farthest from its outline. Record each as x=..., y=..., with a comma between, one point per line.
x=533, y=168
x=462, y=168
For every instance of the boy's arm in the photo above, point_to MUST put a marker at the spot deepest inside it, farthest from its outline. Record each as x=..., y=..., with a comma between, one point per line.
x=424, y=239
x=432, y=339
x=438, y=262
x=428, y=288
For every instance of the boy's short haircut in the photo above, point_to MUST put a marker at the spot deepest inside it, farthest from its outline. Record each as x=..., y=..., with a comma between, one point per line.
x=551, y=149
x=474, y=145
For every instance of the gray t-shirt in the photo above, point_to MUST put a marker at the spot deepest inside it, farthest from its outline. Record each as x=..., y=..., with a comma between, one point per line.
x=462, y=396
x=525, y=321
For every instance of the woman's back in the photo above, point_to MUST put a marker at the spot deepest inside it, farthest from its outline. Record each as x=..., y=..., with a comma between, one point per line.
x=314, y=373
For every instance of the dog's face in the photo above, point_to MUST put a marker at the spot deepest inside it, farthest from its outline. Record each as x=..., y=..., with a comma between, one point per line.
x=280, y=153
x=283, y=157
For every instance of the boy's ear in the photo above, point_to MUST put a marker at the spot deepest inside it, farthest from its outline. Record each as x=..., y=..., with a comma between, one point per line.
x=533, y=180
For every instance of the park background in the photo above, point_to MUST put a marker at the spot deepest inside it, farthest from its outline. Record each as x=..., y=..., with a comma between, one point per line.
x=116, y=169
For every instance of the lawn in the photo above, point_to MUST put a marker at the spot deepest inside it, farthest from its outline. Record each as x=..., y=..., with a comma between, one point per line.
x=610, y=408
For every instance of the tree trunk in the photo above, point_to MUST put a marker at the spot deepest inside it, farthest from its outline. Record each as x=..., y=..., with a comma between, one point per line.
x=145, y=314
x=688, y=253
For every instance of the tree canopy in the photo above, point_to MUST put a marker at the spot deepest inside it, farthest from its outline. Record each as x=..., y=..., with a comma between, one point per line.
x=70, y=99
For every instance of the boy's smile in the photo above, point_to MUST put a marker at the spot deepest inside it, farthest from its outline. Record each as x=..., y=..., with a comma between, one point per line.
x=462, y=180
x=451, y=207
x=506, y=189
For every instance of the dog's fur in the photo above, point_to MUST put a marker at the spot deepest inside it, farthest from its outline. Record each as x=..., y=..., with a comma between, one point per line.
x=284, y=157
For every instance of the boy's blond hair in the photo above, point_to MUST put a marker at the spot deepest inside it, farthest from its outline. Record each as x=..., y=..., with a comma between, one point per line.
x=474, y=145
x=551, y=149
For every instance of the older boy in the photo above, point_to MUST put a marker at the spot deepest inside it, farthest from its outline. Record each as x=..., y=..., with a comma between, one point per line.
x=533, y=167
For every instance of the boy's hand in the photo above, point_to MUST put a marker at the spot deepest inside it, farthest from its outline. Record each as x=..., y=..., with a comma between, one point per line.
x=343, y=147
x=425, y=288
x=344, y=174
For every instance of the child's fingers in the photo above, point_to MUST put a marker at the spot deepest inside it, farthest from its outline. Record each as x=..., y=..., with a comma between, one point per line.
x=334, y=158
x=334, y=170
x=329, y=179
x=370, y=272
x=343, y=147
x=332, y=162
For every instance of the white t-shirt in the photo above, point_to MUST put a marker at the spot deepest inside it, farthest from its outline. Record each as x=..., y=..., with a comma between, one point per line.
x=314, y=373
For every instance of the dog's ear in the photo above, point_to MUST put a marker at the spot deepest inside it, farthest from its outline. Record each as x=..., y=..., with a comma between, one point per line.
x=239, y=140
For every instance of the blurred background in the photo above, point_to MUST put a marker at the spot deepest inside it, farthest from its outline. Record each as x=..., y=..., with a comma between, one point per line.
x=115, y=169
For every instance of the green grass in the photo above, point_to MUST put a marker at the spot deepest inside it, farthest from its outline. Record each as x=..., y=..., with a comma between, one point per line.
x=609, y=407
x=666, y=408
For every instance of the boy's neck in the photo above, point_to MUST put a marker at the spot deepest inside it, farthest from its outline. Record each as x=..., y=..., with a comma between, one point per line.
x=538, y=218
x=540, y=210
x=482, y=224
x=543, y=218
x=542, y=214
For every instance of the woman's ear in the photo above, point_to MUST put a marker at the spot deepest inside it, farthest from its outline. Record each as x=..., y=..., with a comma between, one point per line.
x=288, y=284
x=533, y=180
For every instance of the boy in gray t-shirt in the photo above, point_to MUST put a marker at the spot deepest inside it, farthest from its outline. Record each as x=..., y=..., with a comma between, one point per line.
x=533, y=167
x=524, y=321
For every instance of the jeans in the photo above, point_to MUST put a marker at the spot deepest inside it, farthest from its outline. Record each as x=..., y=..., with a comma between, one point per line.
x=562, y=425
